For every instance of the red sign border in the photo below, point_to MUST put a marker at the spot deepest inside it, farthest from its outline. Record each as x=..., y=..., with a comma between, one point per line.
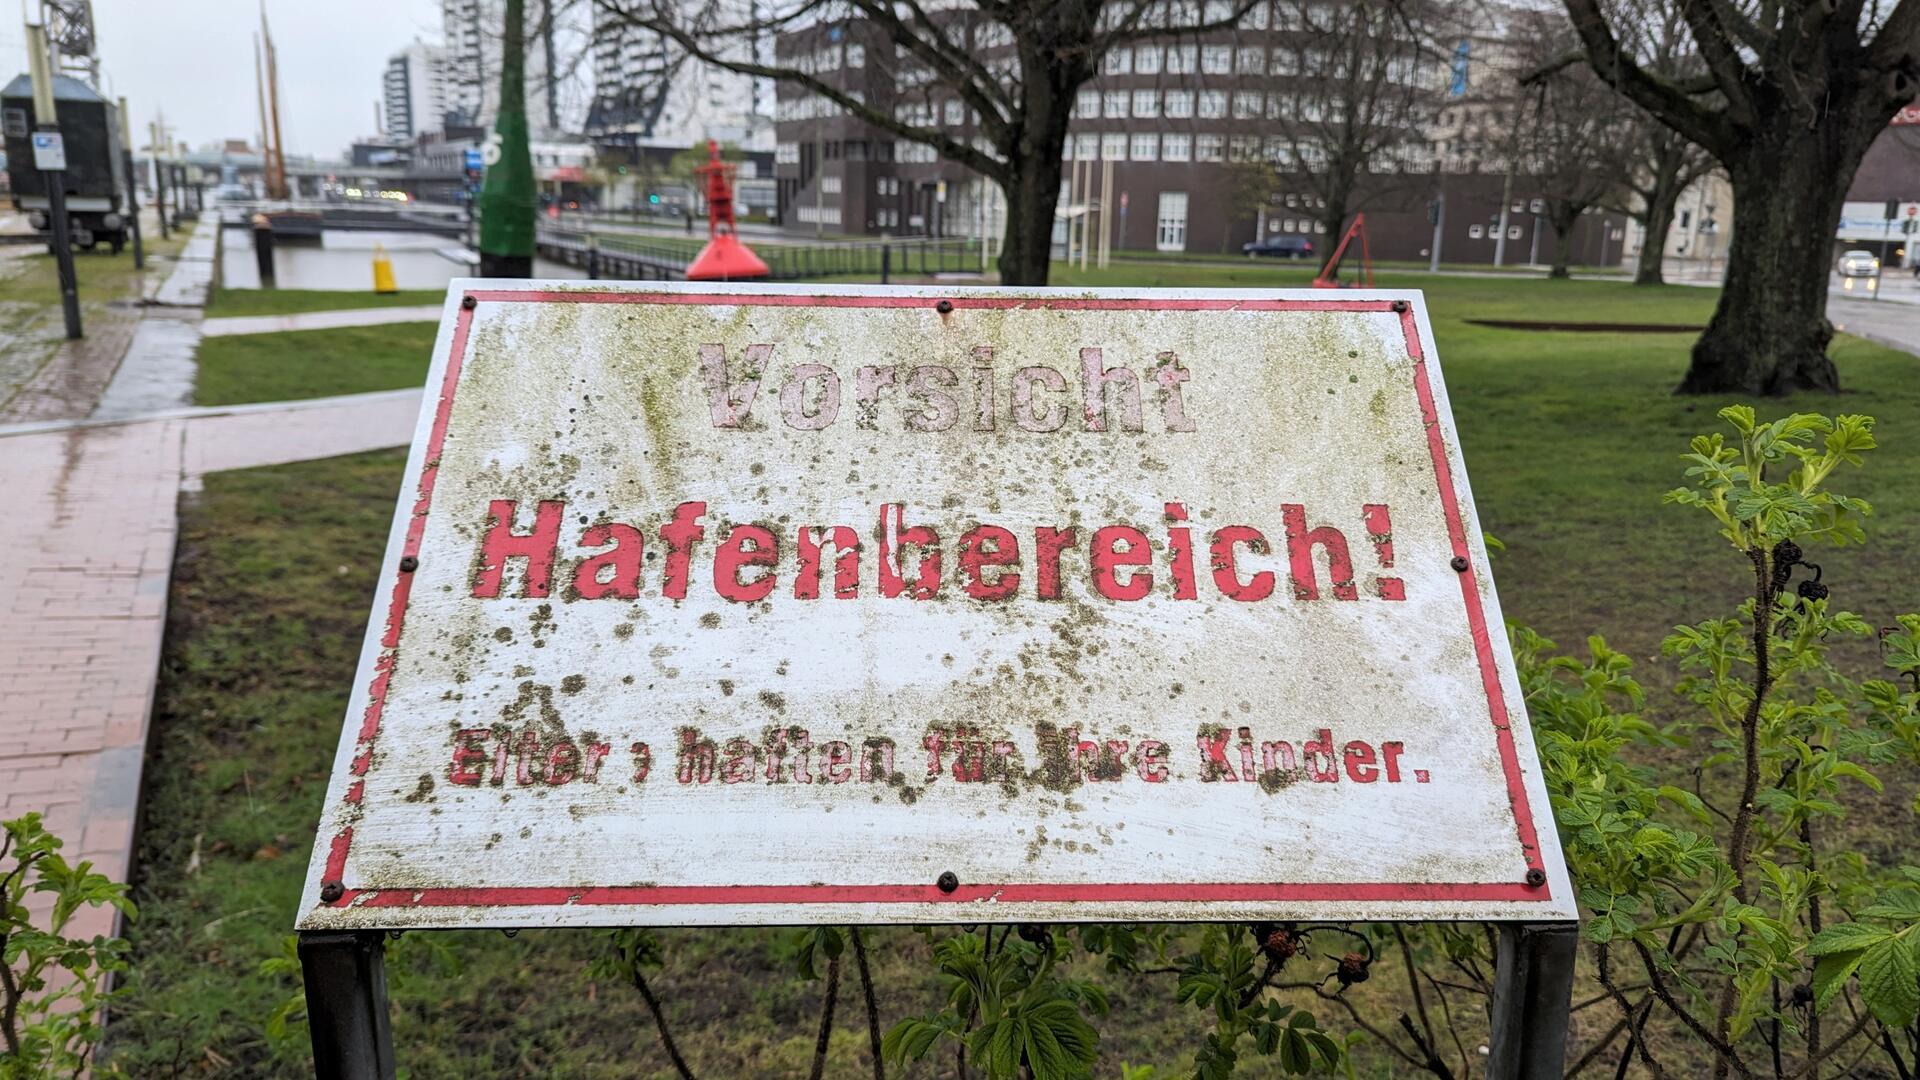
x=1194, y=892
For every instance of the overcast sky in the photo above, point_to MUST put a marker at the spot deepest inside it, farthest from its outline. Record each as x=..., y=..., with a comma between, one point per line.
x=193, y=59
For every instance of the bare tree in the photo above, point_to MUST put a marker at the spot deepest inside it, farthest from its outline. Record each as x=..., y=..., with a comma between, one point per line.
x=1792, y=96
x=1579, y=141
x=1666, y=163
x=1014, y=67
x=1358, y=93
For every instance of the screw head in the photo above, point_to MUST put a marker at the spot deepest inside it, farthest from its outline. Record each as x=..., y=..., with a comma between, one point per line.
x=1536, y=877
x=469, y=302
x=1401, y=305
x=408, y=564
x=943, y=307
x=331, y=891
x=948, y=881
x=1459, y=563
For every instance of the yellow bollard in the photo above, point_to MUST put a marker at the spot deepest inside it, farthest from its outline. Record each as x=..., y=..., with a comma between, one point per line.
x=383, y=271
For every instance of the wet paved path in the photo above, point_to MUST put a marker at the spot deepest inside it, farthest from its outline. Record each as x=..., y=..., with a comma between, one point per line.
x=83, y=591
x=93, y=519
x=318, y=320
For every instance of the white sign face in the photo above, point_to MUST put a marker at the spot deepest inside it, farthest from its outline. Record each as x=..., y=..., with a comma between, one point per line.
x=738, y=605
x=49, y=151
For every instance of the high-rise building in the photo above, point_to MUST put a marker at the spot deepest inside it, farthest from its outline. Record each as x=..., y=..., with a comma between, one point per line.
x=472, y=29
x=414, y=98
x=645, y=90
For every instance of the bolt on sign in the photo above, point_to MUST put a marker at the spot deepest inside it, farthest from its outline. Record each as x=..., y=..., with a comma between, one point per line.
x=750, y=604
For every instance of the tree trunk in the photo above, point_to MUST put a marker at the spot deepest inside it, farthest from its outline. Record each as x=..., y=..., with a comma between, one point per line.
x=1334, y=217
x=1562, y=245
x=1657, y=217
x=1769, y=333
x=1026, y=245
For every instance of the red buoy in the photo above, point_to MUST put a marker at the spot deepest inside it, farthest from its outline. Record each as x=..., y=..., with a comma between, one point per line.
x=724, y=258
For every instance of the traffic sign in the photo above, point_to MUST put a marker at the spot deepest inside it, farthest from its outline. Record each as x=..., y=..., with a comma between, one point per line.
x=472, y=159
x=769, y=605
x=49, y=151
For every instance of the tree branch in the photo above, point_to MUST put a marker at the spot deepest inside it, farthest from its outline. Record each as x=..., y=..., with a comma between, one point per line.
x=1671, y=103
x=829, y=1000
x=873, y=1008
x=960, y=152
x=660, y=1021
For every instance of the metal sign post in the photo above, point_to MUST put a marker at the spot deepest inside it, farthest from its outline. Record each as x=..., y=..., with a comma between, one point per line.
x=967, y=605
x=50, y=157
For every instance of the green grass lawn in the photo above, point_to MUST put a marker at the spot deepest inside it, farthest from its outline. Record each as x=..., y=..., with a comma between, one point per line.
x=312, y=363
x=1570, y=439
x=230, y=302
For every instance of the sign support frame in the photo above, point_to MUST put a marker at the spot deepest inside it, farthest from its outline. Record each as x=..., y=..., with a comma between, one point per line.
x=345, y=976
x=343, y=970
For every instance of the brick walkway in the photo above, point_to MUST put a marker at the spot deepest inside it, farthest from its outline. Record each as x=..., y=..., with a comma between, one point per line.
x=83, y=591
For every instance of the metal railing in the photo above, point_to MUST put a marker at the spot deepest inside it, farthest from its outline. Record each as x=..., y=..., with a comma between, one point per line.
x=662, y=258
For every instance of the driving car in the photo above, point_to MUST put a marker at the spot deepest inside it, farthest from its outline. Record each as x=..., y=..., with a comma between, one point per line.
x=1859, y=264
x=1279, y=247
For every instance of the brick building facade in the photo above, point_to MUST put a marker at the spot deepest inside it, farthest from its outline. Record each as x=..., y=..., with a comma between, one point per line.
x=1174, y=117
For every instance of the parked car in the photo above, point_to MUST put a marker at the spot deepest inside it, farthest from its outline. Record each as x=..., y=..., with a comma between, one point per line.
x=1859, y=264
x=1279, y=247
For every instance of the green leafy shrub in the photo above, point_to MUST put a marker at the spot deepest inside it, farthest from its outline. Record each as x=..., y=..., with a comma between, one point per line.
x=52, y=987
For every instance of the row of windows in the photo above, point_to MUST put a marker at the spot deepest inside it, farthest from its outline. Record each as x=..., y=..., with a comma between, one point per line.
x=1206, y=104
x=1240, y=60
x=811, y=107
x=1179, y=146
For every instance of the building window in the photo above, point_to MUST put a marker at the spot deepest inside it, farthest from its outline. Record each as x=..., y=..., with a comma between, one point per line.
x=1257, y=17
x=1243, y=148
x=1209, y=147
x=830, y=185
x=1279, y=105
x=856, y=56
x=1146, y=104
x=1246, y=105
x=1170, y=233
x=1213, y=104
x=1113, y=146
x=1251, y=61
x=1179, y=104
x=1145, y=147
x=1181, y=60
x=1116, y=105
x=1086, y=146
x=1117, y=62
x=1176, y=146
x=1146, y=60
x=1216, y=60
x=1086, y=105
x=786, y=153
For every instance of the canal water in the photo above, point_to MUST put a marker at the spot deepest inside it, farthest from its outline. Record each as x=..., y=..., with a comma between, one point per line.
x=343, y=260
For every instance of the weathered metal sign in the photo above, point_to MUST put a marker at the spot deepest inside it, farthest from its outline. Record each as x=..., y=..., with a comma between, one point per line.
x=772, y=605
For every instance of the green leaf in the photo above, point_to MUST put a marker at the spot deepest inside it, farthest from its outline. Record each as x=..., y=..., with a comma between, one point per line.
x=1830, y=974
x=1846, y=937
x=1890, y=980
